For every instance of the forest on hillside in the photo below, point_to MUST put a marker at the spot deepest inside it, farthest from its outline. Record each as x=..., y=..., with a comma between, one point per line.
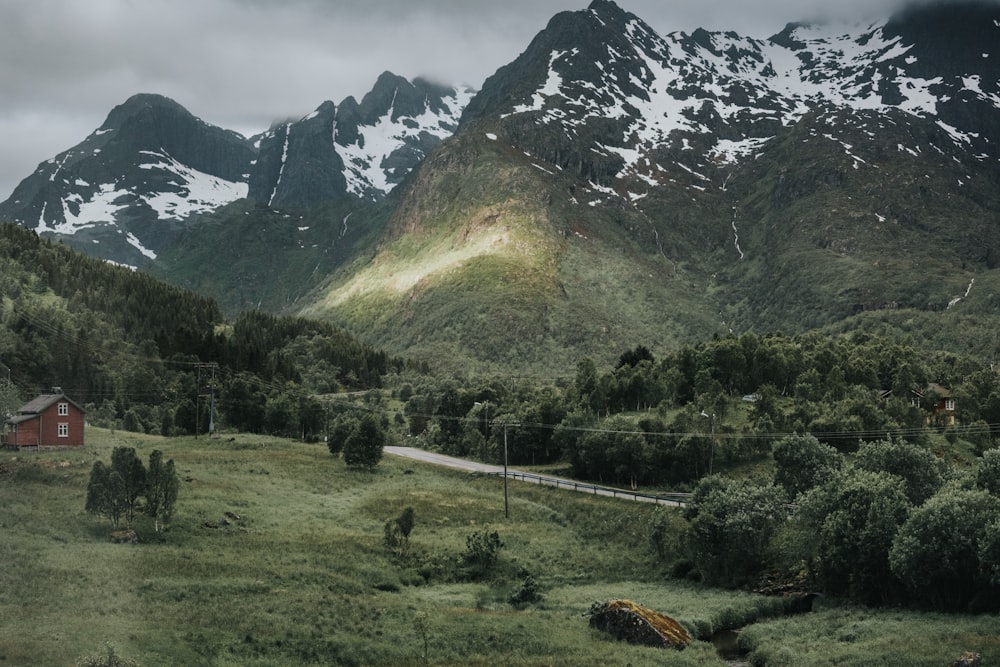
x=146, y=356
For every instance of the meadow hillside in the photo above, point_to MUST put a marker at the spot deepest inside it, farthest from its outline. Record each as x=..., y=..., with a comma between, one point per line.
x=276, y=555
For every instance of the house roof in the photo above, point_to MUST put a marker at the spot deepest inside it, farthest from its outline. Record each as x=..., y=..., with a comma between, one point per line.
x=44, y=401
x=20, y=419
x=943, y=392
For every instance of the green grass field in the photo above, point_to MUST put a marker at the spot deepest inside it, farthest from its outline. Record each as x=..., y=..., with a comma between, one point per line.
x=300, y=574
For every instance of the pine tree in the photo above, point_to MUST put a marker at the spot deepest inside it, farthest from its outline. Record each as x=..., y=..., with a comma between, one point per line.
x=363, y=448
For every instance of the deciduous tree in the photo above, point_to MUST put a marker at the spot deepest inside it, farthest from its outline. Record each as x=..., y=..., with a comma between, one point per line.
x=114, y=491
x=988, y=473
x=162, y=485
x=917, y=467
x=854, y=518
x=803, y=462
x=936, y=552
x=731, y=526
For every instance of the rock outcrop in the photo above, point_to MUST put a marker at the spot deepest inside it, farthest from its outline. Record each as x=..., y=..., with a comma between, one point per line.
x=635, y=624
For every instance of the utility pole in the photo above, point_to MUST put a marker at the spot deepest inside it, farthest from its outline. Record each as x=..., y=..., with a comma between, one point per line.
x=506, y=505
x=711, y=445
x=486, y=436
x=202, y=394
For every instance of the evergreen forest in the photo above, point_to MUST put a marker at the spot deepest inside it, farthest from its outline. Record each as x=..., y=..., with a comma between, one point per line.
x=148, y=357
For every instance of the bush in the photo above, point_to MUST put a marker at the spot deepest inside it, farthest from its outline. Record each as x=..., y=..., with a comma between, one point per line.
x=936, y=552
x=397, y=533
x=527, y=594
x=482, y=550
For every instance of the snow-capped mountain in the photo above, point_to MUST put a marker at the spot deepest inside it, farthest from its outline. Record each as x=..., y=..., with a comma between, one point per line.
x=612, y=184
x=360, y=150
x=126, y=190
x=150, y=161
x=609, y=185
x=629, y=104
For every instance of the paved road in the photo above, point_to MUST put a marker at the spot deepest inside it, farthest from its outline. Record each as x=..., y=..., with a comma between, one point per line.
x=671, y=499
x=442, y=460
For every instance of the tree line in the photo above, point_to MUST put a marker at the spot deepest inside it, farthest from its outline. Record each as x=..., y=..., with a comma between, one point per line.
x=670, y=421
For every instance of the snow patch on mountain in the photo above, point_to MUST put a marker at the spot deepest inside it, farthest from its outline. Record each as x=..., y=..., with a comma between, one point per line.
x=735, y=91
x=365, y=159
x=284, y=161
x=80, y=212
x=134, y=241
x=197, y=192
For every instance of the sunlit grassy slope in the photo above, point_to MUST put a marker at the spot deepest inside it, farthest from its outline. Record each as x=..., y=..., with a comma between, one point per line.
x=491, y=261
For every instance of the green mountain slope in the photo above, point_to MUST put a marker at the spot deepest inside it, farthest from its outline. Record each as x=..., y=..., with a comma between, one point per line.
x=132, y=348
x=248, y=256
x=490, y=260
x=888, y=216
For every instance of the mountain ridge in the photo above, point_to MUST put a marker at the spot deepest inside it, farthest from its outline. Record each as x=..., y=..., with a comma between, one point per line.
x=128, y=189
x=612, y=185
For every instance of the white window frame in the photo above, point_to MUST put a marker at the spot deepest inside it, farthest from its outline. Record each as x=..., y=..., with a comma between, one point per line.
x=949, y=404
x=62, y=429
x=64, y=409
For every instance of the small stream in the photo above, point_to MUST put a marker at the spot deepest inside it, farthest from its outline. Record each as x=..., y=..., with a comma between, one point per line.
x=727, y=645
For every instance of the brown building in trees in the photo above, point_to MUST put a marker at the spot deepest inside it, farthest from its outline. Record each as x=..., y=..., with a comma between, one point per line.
x=938, y=401
x=50, y=420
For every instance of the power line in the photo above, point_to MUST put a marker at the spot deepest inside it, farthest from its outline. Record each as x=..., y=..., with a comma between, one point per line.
x=59, y=332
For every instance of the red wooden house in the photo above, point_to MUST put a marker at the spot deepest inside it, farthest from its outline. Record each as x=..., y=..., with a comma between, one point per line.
x=938, y=401
x=50, y=420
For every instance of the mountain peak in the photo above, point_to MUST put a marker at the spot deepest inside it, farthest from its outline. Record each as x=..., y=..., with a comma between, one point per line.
x=609, y=12
x=139, y=104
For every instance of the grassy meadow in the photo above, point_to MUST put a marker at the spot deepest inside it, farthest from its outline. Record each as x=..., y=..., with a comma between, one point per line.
x=276, y=557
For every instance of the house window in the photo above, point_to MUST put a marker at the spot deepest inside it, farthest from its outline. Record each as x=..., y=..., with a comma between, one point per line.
x=63, y=430
x=949, y=404
x=63, y=409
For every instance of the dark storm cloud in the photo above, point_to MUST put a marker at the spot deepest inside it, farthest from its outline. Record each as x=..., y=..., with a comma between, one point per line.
x=242, y=64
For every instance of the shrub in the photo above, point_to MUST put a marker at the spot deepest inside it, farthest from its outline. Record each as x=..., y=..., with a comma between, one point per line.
x=397, y=533
x=482, y=550
x=936, y=552
x=527, y=594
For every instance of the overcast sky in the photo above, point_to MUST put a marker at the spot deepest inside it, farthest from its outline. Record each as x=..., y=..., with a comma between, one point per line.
x=241, y=64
